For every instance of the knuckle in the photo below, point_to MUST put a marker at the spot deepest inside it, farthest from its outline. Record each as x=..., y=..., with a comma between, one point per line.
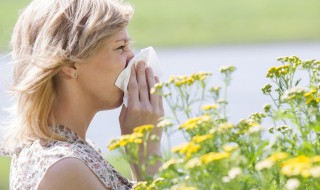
x=132, y=85
x=143, y=86
x=134, y=109
x=159, y=113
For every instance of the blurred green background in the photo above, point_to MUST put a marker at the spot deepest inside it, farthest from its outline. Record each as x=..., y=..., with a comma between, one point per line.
x=179, y=23
x=205, y=22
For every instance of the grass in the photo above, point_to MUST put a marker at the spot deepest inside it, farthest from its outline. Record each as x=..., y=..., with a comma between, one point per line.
x=4, y=172
x=189, y=22
x=118, y=162
x=8, y=16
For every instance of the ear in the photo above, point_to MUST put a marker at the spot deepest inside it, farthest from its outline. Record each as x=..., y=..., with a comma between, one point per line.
x=70, y=71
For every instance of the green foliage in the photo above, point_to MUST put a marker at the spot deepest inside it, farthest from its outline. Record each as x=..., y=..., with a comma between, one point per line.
x=120, y=164
x=189, y=22
x=223, y=155
x=4, y=172
x=9, y=11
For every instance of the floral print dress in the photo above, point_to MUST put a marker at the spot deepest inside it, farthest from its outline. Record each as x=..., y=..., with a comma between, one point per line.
x=30, y=162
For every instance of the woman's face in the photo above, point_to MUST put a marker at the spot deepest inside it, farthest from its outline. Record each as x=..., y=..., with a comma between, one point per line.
x=98, y=75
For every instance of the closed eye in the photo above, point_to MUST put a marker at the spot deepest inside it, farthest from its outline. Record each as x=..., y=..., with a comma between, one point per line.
x=121, y=47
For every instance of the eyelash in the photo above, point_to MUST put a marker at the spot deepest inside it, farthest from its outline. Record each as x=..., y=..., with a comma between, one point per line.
x=121, y=47
x=124, y=47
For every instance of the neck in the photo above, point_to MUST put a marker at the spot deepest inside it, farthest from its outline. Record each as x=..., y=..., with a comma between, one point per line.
x=72, y=111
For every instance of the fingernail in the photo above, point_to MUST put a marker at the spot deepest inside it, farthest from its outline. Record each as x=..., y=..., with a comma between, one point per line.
x=149, y=69
x=141, y=63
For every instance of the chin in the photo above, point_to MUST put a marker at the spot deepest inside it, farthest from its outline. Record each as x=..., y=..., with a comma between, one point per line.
x=114, y=105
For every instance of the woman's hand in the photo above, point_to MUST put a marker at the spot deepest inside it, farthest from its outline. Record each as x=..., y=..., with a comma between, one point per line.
x=143, y=108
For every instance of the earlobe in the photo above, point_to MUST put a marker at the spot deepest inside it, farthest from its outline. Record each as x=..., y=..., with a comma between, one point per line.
x=70, y=70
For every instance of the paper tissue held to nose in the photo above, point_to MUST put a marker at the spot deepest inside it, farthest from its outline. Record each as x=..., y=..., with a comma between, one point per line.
x=149, y=56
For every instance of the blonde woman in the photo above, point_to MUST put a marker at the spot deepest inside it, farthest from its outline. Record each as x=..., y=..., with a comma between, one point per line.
x=67, y=56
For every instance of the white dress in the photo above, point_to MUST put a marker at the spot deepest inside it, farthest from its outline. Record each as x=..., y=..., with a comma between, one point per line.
x=30, y=162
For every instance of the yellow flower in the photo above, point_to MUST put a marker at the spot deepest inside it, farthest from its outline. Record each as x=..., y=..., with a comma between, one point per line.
x=200, y=75
x=266, y=89
x=155, y=182
x=157, y=88
x=310, y=96
x=264, y=164
x=215, y=89
x=201, y=138
x=124, y=140
x=194, y=162
x=190, y=81
x=144, y=128
x=187, y=149
x=169, y=163
x=209, y=107
x=182, y=186
x=225, y=126
x=141, y=185
x=195, y=122
x=278, y=156
x=315, y=159
x=171, y=79
x=164, y=123
x=227, y=69
x=230, y=147
x=113, y=144
x=213, y=156
x=278, y=71
x=300, y=165
x=179, y=83
x=293, y=60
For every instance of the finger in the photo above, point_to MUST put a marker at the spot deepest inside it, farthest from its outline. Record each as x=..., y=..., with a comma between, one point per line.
x=142, y=82
x=123, y=114
x=160, y=101
x=154, y=98
x=133, y=91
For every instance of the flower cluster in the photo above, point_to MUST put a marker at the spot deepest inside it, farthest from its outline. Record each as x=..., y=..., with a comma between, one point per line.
x=196, y=122
x=188, y=80
x=266, y=89
x=124, y=140
x=219, y=154
x=278, y=71
x=313, y=96
x=214, y=156
x=135, y=138
x=301, y=165
x=187, y=149
x=294, y=93
x=227, y=69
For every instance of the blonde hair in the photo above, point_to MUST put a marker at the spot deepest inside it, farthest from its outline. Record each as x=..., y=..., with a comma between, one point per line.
x=48, y=35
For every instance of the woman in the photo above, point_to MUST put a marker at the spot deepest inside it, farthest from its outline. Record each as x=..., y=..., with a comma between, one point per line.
x=68, y=55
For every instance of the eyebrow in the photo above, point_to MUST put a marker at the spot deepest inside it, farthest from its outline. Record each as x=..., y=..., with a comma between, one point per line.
x=124, y=39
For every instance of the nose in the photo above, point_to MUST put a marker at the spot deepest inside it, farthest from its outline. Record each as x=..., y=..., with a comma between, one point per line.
x=129, y=56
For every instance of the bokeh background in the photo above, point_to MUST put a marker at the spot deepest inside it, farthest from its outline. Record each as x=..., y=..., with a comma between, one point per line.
x=198, y=34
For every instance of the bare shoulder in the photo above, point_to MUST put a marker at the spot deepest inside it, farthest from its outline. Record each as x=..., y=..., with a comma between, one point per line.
x=70, y=173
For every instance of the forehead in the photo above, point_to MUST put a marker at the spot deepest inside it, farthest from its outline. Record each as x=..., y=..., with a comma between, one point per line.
x=120, y=36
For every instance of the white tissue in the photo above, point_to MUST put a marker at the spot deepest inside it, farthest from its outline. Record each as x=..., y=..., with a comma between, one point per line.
x=149, y=56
